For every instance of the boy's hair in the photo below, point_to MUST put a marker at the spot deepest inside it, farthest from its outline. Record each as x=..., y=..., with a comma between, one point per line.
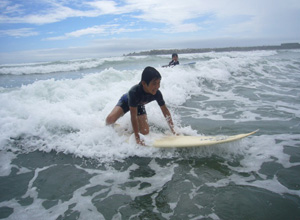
x=149, y=74
x=174, y=55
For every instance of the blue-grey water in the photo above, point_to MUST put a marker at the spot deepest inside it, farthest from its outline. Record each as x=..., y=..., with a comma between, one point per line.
x=59, y=161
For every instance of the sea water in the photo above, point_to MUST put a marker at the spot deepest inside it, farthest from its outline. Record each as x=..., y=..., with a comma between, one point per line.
x=59, y=161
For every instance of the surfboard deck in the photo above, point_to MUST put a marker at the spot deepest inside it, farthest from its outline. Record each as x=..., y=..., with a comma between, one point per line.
x=196, y=141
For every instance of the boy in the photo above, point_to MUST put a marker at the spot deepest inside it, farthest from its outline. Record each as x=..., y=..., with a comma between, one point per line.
x=134, y=101
x=174, y=60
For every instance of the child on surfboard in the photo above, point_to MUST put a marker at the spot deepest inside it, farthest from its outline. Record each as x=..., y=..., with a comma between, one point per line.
x=134, y=101
x=174, y=60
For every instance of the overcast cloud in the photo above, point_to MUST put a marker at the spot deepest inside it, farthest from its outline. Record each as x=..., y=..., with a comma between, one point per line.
x=59, y=25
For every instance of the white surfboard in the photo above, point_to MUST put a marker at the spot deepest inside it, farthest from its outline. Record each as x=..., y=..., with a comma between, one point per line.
x=191, y=63
x=196, y=141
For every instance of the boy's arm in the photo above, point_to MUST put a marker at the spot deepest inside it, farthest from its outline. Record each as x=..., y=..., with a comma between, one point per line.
x=135, y=125
x=168, y=117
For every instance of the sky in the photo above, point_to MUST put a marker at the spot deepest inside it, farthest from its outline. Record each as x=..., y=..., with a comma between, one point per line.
x=49, y=30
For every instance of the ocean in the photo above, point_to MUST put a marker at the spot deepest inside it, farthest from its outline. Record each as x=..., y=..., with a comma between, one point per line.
x=58, y=160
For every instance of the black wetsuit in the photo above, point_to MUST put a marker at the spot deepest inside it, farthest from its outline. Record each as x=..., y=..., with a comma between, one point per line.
x=137, y=97
x=173, y=63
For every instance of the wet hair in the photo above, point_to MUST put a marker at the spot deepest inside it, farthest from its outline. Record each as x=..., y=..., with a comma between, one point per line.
x=174, y=55
x=149, y=74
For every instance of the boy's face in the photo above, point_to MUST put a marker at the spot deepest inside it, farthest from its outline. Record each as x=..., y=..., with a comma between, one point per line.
x=152, y=87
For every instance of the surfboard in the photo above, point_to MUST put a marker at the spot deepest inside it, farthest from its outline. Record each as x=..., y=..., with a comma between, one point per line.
x=196, y=141
x=191, y=63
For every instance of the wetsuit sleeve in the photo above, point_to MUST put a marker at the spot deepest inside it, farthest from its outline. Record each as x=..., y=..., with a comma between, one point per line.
x=159, y=98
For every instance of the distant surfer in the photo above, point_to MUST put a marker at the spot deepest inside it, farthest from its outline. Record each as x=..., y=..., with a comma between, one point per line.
x=134, y=101
x=174, y=60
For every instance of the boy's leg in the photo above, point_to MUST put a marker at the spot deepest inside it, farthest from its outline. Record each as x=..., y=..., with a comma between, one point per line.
x=115, y=114
x=143, y=124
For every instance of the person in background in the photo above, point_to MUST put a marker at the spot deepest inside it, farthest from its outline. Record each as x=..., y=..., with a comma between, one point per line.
x=174, y=60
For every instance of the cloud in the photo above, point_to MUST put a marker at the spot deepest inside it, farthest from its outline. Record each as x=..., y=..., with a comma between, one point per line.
x=151, y=19
x=21, y=32
x=105, y=7
x=40, y=12
x=171, y=13
x=176, y=15
x=11, y=9
x=95, y=30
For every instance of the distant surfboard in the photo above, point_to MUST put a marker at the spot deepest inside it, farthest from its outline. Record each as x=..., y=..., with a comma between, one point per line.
x=191, y=63
x=196, y=141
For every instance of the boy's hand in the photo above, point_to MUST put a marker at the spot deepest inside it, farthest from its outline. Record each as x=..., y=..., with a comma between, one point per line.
x=139, y=141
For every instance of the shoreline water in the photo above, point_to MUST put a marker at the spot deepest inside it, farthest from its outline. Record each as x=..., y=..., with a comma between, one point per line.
x=58, y=160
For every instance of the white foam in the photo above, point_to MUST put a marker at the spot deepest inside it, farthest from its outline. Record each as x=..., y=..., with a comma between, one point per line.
x=5, y=162
x=53, y=67
x=259, y=150
x=68, y=115
x=112, y=179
